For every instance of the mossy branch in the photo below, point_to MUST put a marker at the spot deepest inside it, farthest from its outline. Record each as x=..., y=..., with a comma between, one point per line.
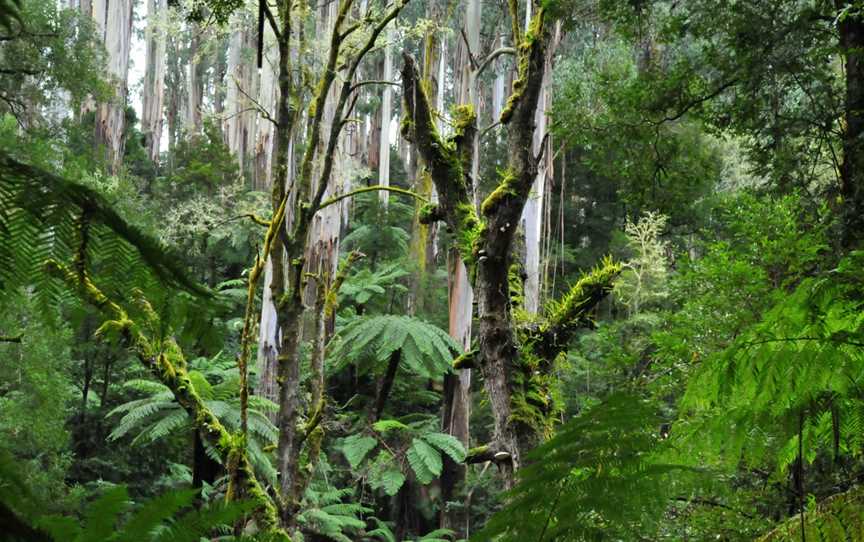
x=165, y=360
x=466, y=360
x=487, y=452
x=448, y=162
x=573, y=310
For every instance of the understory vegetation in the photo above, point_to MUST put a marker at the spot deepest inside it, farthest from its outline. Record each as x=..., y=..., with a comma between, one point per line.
x=372, y=270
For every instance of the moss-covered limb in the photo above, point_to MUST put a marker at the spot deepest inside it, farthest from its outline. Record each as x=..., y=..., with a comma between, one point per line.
x=446, y=161
x=332, y=302
x=165, y=360
x=316, y=106
x=466, y=360
x=487, y=452
x=573, y=310
x=339, y=117
x=290, y=306
x=274, y=226
x=530, y=52
x=513, y=8
x=11, y=338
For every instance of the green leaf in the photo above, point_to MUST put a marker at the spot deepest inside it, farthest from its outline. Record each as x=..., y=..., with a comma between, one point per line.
x=356, y=447
x=383, y=426
x=448, y=444
x=390, y=481
x=425, y=461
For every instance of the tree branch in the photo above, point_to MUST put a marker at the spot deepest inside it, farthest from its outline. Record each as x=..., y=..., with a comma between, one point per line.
x=375, y=188
x=274, y=25
x=493, y=55
x=574, y=308
x=165, y=360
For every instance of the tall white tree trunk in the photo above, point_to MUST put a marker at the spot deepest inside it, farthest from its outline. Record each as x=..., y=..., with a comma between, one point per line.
x=533, y=213
x=194, y=82
x=386, y=115
x=114, y=21
x=457, y=409
x=153, y=94
x=261, y=155
x=241, y=80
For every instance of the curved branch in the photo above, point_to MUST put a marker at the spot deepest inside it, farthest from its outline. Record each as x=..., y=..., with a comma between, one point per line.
x=493, y=55
x=375, y=188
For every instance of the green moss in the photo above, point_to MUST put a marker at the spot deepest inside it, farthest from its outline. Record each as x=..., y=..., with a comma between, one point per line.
x=406, y=128
x=569, y=310
x=428, y=213
x=516, y=285
x=506, y=188
x=535, y=28
x=464, y=117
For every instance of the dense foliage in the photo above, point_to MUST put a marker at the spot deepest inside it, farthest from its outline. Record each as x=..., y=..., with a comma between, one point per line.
x=191, y=350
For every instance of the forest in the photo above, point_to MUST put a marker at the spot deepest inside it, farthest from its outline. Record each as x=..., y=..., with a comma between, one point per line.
x=431, y=270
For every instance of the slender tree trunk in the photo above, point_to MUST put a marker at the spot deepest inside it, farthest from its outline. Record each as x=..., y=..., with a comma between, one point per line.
x=386, y=115
x=532, y=215
x=456, y=413
x=194, y=81
x=154, y=77
x=114, y=21
x=852, y=170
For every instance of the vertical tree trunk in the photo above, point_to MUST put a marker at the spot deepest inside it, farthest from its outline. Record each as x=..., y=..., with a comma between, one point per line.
x=852, y=170
x=457, y=387
x=194, y=81
x=386, y=115
x=154, y=77
x=114, y=21
x=532, y=215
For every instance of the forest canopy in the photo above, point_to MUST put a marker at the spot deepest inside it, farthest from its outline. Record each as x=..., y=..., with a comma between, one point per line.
x=374, y=270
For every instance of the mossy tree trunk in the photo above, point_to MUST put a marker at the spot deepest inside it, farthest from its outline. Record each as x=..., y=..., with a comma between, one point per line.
x=287, y=245
x=515, y=362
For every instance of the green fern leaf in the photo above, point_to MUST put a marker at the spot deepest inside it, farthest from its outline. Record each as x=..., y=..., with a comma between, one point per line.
x=448, y=444
x=425, y=461
x=356, y=447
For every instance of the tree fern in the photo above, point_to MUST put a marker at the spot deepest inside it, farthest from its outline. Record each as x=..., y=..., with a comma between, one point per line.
x=356, y=447
x=417, y=450
x=159, y=416
x=325, y=512
x=601, y=476
x=43, y=216
x=161, y=519
x=798, y=370
x=425, y=461
x=368, y=342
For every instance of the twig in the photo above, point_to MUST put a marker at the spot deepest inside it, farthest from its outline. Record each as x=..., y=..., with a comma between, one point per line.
x=258, y=106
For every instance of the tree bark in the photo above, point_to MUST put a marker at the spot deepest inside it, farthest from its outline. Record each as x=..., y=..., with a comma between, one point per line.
x=852, y=169
x=153, y=93
x=114, y=21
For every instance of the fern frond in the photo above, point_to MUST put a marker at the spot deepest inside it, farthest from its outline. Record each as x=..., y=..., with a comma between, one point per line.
x=40, y=215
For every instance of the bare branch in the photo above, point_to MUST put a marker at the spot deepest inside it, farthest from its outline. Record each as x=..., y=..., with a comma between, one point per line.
x=493, y=55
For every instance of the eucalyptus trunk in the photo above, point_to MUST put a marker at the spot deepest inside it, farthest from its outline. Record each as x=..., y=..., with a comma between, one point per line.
x=153, y=94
